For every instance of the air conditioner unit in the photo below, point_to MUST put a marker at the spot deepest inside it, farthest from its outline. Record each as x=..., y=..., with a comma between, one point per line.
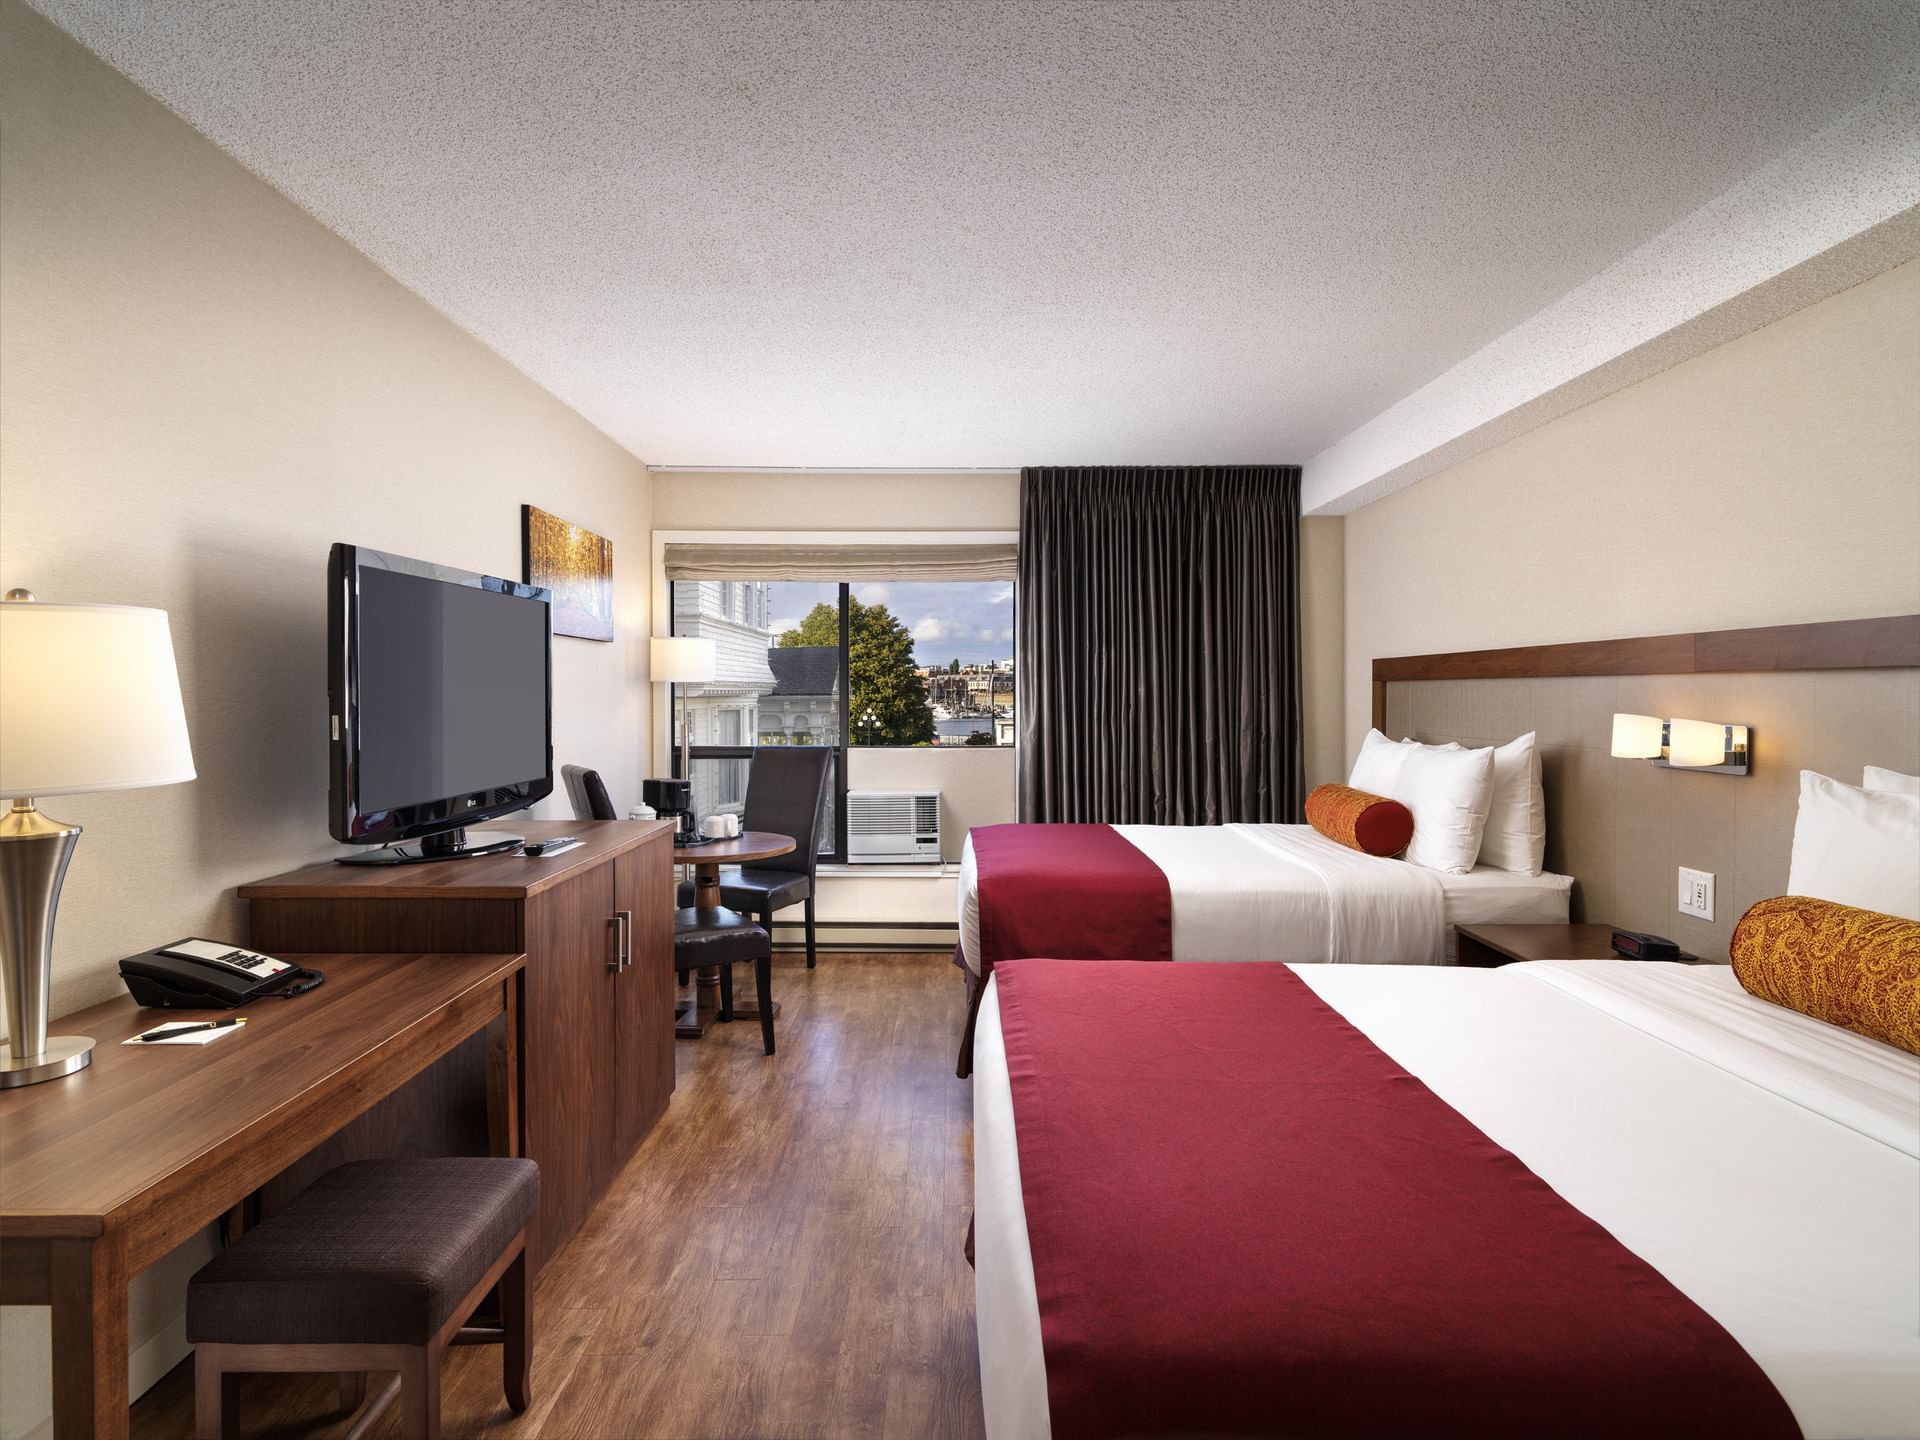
x=893, y=827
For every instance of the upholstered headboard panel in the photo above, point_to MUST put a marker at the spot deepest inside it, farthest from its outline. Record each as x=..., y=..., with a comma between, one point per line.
x=1832, y=697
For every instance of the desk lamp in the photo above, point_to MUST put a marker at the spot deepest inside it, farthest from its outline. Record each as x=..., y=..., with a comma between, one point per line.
x=89, y=700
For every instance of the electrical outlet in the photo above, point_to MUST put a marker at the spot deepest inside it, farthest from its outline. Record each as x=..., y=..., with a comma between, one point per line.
x=1696, y=893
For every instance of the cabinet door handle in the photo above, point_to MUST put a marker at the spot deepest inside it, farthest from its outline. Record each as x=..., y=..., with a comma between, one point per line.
x=619, y=960
x=626, y=937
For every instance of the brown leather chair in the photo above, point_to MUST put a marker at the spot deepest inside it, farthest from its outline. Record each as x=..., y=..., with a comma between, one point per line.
x=784, y=789
x=588, y=792
x=725, y=938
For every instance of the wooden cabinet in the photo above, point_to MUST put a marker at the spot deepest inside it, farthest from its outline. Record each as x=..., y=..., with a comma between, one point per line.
x=596, y=925
x=643, y=1008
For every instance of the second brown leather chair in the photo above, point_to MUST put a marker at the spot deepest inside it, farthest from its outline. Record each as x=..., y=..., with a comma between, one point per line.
x=785, y=787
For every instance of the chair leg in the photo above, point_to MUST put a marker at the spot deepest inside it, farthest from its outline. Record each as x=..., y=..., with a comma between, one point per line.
x=726, y=995
x=216, y=1399
x=420, y=1394
x=353, y=1390
x=516, y=1318
x=763, y=987
x=809, y=934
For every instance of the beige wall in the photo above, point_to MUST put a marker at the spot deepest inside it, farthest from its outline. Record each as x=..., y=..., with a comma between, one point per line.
x=1322, y=645
x=822, y=500
x=200, y=389
x=1775, y=479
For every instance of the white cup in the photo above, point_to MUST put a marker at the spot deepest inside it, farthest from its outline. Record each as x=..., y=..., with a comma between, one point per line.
x=732, y=824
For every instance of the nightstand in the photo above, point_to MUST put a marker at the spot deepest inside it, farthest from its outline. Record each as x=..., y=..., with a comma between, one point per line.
x=1485, y=946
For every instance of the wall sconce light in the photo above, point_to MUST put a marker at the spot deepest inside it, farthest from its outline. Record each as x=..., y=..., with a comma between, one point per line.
x=1698, y=745
x=1639, y=737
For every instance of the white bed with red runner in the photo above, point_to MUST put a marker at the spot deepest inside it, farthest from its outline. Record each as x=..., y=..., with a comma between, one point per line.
x=1766, y=1165
x=1286, y=892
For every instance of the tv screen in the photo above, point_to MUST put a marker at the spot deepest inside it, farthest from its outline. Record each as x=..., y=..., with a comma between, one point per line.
x=441, y=686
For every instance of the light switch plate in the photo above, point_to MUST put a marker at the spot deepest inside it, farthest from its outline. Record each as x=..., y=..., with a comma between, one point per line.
x=1696, y=893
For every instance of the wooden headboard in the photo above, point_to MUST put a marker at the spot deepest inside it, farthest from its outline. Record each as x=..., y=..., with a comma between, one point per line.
x=1830, y=697
x=1888, y=642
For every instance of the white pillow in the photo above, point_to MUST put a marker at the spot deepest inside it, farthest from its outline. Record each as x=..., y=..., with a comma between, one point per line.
x=1516, y=837
x=1516, y=833
x=1878, y=777
x=1377, y=769
x=1448, y=792
x=1856, y=847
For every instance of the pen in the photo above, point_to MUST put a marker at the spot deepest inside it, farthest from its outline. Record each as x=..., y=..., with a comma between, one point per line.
x=167, y=1032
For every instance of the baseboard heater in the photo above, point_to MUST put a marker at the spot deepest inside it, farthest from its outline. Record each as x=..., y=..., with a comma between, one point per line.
x=930, y=935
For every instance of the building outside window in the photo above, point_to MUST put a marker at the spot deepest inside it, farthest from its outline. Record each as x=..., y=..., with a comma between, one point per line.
x=924, y=663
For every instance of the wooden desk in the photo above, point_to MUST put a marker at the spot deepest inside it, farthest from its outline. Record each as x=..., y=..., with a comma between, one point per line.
x=105, y=1171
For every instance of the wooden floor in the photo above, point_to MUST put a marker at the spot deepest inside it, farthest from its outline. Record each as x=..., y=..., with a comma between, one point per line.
x=781, y=1258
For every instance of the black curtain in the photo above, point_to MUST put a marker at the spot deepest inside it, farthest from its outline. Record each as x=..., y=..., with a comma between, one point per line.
x=1159, y=650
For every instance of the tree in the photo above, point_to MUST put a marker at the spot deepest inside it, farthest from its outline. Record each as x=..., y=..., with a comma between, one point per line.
x=954, y=668
x=880, y=671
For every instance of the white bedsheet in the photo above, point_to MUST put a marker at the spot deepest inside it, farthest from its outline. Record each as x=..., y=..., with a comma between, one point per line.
x=1767, y=1173
x=1286, y=892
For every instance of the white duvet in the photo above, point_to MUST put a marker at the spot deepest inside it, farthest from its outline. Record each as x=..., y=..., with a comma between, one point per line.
x=1286, y=892
x=1767, y=1164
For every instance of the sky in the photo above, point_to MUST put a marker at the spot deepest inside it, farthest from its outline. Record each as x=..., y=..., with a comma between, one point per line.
x=966, y=620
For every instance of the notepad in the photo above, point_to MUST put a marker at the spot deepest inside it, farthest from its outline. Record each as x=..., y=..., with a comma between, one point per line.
x=192, y=1037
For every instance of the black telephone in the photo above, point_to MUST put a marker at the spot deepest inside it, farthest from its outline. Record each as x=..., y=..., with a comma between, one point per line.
x=209, y=975
x=1638, y=945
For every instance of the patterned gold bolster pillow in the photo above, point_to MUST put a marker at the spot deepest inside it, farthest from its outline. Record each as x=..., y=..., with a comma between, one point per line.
x=1372, y=823
x=1855, y=968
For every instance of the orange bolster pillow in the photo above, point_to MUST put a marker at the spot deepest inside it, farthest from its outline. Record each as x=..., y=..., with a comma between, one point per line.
x=1372, y=823
x=1854, y=968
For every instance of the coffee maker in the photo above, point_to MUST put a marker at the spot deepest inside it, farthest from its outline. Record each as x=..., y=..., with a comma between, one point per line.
x=673, y=800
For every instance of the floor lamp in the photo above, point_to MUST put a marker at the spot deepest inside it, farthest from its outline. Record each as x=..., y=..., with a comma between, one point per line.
x=89, y=700
x=683, y=660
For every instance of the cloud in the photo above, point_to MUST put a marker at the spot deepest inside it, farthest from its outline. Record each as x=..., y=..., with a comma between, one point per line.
x=780, y=627
x=873, y=594
x=934, y=628
x=1001, y=596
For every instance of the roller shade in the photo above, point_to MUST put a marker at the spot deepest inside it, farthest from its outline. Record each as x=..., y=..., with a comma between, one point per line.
x=832, y=563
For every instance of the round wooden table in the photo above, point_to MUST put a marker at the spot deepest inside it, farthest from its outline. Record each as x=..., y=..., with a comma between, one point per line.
x=693, y=1018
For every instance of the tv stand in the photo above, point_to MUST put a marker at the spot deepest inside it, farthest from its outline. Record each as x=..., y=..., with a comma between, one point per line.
x=597, y=1063
x=447, y=845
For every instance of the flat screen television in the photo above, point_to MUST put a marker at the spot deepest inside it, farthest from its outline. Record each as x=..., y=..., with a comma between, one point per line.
x=440, y=690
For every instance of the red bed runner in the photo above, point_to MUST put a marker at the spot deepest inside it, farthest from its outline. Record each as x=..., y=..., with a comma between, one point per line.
x=1237, y=1236
x=1081, y=892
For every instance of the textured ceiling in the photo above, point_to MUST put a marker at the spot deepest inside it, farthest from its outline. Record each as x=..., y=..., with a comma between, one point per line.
x=954, y=234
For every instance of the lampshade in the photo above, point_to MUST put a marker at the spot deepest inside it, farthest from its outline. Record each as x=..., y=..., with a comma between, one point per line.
x=683, y=659
x=1637, y=737
x=1696, y=743
x=89, y=700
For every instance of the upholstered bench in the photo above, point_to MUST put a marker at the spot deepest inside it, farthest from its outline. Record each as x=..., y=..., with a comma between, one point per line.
x=374, y=1267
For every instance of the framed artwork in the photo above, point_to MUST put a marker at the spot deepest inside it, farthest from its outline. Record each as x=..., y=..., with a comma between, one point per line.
x=576, y=565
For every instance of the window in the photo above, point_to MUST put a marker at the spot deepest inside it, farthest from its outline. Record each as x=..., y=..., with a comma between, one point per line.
x=802, y=662
x=730, y=775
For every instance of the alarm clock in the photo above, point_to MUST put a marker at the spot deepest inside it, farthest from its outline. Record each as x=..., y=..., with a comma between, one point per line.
x=1638, y=945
